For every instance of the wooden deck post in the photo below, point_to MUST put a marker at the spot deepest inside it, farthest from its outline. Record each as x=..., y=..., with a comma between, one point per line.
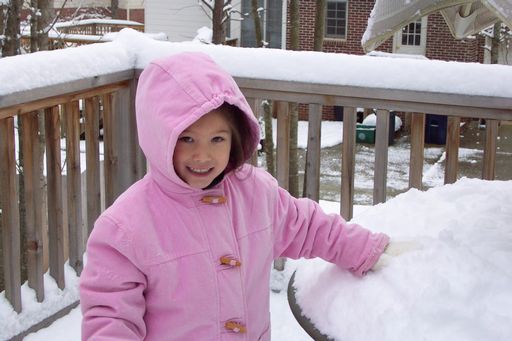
x=452, y=150
x=348, y=162
x=10, y=214
x=92, y=133
x=124, y=140
x=33, y=202
x=381, y=156
x=254, y=103
x=283, y=156
x=54, y=194
x=489, y=166
x=417, y=150
x=110, y=156
x=312, y=187
x=74, y=186
x=283, y=143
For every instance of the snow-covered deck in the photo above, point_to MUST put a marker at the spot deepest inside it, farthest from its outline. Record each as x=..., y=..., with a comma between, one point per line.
x=100, y=81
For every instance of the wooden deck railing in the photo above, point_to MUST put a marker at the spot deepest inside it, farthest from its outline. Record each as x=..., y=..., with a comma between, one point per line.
x=112, y=98
x=98, y=28
x=81, y=33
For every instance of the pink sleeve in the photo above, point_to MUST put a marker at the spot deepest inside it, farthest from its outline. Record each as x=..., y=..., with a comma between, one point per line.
x=302, y=229
x=111, y=288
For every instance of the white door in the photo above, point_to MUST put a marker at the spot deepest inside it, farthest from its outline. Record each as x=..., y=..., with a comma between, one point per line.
x=412, y=38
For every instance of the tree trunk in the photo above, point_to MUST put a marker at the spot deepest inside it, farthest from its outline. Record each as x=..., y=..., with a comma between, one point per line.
x=293, y=171
x=12, y=29
x=3, y=9
x=496, y=43
x=33, y=26
x=43, y=23
x=257, y=23
x=319, y=25
x=219, y=36
x=114, y=9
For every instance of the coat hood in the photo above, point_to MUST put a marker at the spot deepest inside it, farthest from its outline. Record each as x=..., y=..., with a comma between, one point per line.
x=174, y=92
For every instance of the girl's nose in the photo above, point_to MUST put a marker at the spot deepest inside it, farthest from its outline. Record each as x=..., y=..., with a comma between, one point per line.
x=201, y=153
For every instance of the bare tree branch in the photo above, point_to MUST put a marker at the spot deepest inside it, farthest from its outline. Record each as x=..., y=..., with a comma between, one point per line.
x=206, y=3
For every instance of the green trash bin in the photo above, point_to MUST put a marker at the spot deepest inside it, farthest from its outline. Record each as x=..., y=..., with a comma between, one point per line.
x=365, y=134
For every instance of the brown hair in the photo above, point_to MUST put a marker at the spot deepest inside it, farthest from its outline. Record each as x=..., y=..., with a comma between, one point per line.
x=240, y=130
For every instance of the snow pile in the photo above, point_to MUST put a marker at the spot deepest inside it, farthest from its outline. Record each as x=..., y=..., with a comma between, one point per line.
x=204, y=35
x=456, y=287
x=371, y=120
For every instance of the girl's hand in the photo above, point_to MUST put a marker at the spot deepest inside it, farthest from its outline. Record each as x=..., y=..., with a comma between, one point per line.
x=394, y=249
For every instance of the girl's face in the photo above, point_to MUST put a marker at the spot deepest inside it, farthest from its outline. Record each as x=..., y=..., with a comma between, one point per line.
x=202, y=150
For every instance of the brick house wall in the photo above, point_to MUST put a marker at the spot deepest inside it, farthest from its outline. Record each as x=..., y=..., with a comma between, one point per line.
x=440, y=43
x=442, y=46
x=133, y=14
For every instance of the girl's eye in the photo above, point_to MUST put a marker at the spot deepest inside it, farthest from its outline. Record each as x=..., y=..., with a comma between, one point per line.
x=218, y=139
x=186, y=139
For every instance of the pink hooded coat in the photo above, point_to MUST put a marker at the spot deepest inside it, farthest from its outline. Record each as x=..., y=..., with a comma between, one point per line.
x=163, y=264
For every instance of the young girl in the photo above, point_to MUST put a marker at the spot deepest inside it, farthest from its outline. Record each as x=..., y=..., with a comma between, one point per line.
x=186, y=252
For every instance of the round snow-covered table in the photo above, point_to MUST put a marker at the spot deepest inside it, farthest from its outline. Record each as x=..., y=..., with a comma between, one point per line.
x=456, y=286
x=304, y=321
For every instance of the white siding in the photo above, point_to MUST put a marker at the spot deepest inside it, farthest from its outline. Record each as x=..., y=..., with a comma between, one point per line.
x=179, y=19
x=131, y=4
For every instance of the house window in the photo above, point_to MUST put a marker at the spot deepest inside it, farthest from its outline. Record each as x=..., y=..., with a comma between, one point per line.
x=411, y=34
x=336, y=19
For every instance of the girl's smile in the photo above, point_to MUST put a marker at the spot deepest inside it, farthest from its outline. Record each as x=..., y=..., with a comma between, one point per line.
x=202, y=150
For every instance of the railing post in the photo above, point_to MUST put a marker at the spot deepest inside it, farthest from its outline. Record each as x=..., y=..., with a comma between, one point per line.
x=54, y=195
x=92, y=132
x=10, y=215
x=348, y=162
x=254, y=103
x=381, y=156
x=33, y=202
x=489, y=166
x=110, y=153
x=312, y=188
x=125, y=138
x=283, y=143
x=417, y=150
x=74, y=186
x=452, y=150
x=283, y=156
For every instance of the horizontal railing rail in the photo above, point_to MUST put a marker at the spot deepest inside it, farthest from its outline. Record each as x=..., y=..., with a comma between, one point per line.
x=67, y=209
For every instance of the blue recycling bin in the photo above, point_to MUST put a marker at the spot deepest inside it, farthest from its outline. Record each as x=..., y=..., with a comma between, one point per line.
x=435, y=129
